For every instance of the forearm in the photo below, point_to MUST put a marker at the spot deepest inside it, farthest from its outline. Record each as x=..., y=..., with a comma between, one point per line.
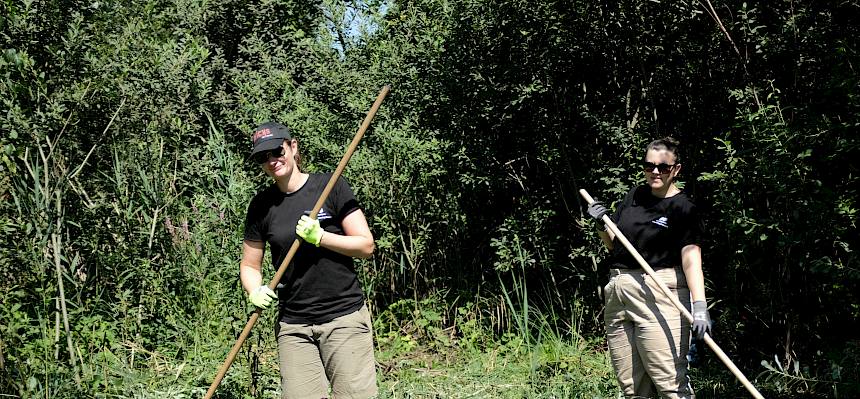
x=357, y=246
x=607, y=237
x=696, y=282
x=692, y=263
x=250, y=276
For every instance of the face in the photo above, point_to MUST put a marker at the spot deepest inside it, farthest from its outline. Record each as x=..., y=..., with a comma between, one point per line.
x=281, y=166
x=660, y=168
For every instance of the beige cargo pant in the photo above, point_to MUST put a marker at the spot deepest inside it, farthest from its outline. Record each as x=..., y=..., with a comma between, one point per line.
x=648, y=337
x=338, y=353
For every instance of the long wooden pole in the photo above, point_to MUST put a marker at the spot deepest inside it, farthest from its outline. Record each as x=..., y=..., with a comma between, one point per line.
x=708, y=340
x=295, y=247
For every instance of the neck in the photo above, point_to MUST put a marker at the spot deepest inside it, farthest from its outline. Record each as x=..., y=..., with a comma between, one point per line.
x=296, y=180
x=665, y=191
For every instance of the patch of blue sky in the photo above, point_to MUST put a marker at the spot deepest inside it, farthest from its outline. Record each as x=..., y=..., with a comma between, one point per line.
x=349, y=22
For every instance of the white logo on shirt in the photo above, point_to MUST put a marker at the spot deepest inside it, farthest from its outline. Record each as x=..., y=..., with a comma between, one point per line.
x=662, y=221
x=323, y=215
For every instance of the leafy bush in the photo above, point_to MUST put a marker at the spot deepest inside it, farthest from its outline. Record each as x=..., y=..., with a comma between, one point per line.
x=124, y=181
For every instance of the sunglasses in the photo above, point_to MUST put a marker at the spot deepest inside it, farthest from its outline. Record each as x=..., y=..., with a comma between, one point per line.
x=263, y=156
x=663, y=168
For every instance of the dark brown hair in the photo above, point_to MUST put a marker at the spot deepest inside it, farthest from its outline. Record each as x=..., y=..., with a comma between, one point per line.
x=298, y=155
x=667, y=143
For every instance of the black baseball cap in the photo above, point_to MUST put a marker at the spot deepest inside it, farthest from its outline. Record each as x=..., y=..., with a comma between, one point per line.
x=269, y=136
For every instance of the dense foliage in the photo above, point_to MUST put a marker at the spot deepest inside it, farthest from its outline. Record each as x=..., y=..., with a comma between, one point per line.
x=125, y=127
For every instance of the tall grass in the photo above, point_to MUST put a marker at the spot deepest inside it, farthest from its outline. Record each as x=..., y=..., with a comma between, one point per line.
x=136, y=290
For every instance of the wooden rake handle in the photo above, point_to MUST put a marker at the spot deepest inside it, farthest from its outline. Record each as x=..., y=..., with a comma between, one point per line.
x=708, y=340
x=295, y=247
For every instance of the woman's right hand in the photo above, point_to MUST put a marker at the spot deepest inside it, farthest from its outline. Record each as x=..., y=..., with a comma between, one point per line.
x=262, y=297
x=596, y=210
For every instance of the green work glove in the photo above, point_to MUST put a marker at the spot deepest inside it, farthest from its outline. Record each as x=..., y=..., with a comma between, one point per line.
x=262, y=296
x=309, y=230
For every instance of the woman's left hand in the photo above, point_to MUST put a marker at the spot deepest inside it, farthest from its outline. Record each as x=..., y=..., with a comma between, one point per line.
x=701, y=319
x=309, y=230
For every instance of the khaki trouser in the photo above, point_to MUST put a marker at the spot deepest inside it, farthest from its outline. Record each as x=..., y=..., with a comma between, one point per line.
x=339, y=353
x=648, y=337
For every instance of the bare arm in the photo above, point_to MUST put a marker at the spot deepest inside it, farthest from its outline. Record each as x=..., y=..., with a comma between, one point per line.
x=357, y=241
x=249, y=267
x=691, y=260
x=608, y=238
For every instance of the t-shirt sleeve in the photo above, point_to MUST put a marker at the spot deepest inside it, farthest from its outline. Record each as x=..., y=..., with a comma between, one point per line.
x=343, y=200
x=692, y=227
x=254, y=221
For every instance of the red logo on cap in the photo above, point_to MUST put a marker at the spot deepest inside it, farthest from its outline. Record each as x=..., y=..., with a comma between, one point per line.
x=262, y=133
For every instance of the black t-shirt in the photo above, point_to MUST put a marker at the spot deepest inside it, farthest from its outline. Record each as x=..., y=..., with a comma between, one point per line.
x=657, y=227
x=319, y=284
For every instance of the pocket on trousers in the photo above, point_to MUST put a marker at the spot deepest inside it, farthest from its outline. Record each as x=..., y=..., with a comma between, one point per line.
x=607, y=289
x=669, y=278
x=672, y=285
x=365, y=317
x=358, y=319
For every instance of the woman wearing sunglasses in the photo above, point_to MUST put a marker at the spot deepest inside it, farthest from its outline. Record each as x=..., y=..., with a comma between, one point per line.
x=648, y=337
x=325, y=342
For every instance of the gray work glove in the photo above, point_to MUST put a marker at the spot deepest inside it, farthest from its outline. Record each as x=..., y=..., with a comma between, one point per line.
x=701, y=319
x=596, y=210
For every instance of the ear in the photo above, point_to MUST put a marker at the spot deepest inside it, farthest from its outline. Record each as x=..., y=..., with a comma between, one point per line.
x=676, y=171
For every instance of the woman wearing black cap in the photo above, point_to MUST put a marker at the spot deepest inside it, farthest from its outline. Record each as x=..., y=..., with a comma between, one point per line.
x=324, y=331
x=648, y=337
